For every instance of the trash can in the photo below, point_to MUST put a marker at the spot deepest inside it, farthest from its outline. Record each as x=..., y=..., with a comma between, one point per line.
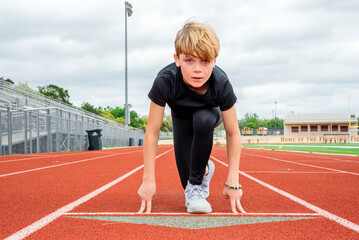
x=131, y=142
x=94, y=136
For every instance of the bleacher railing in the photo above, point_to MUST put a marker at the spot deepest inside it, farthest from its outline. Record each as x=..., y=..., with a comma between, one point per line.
x=33, y=123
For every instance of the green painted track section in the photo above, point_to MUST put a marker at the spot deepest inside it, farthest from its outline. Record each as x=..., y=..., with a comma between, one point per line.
x=191, y=222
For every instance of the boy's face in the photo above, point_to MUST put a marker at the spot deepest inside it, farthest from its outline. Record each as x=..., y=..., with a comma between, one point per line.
x=195, y=71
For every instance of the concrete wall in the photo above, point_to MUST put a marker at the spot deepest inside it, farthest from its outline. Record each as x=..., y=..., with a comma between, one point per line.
x=279, y=140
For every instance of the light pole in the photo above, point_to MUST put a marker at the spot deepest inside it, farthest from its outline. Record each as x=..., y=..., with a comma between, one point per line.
x=128, y=11
x=275, y=114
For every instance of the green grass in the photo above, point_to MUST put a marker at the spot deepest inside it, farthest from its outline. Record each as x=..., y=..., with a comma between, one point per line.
x=165, y=138
x=352, y=148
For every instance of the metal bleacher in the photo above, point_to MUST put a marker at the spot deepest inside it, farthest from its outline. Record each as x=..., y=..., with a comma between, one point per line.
x=33, y=123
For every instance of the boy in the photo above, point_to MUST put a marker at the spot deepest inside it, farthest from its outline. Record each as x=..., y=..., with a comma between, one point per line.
x=200, y=97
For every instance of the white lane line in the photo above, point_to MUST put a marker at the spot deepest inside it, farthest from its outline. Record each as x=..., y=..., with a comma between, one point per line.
x=38, y=157
x=311, y=146
x=63, y=164
x=326, y=155
x=185, y=213
x=285, y=151
x=307, y=154
x=58, y=213
x=35, y=156
x=326, y=214
x=302, y=164
x=292, y=172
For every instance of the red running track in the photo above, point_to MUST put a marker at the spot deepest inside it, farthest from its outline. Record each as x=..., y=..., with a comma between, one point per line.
x=47, y=196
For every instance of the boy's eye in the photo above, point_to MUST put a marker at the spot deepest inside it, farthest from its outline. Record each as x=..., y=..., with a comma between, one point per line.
x=188, y=60
x=205, y=61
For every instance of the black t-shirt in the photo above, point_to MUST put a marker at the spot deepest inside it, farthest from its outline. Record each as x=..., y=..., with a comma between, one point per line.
x=170, y=88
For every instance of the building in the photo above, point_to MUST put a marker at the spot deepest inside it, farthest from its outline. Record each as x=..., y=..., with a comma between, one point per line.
x=333, y=127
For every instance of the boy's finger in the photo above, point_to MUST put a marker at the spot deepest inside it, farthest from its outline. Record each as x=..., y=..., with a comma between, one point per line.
x=239, y=205
x=233, y=206
x=149, y=206
x=143, y=206
x=225, y=195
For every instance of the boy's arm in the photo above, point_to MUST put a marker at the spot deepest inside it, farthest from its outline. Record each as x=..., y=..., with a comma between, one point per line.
x=233, y=154
x=148, y=188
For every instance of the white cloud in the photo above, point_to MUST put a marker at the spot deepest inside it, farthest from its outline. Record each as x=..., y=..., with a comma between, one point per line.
x=301, y=54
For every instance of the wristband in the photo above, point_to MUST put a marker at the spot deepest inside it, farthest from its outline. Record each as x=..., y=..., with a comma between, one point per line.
x=236, y=188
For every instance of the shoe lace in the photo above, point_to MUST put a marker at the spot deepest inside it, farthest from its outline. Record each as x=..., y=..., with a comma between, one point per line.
x=196, y=192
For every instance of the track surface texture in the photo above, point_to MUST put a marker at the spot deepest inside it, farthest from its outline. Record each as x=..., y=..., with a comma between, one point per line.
x=93, y=195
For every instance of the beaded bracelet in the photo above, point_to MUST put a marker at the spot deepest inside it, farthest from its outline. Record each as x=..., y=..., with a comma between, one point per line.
x=236, y=188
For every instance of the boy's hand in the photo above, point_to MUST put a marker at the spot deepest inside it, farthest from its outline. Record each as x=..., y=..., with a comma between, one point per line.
x=234, y=196
x=146, y=193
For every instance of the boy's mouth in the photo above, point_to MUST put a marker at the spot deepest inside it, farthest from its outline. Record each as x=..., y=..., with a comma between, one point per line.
x=197, y=78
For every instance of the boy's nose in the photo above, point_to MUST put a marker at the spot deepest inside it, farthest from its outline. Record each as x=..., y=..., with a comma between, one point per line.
x=197, y=67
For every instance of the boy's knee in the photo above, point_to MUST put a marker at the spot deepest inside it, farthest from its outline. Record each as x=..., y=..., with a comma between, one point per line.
x=203, y=121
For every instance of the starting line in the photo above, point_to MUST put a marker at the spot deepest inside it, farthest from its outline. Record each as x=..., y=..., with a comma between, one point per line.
x=185, y=214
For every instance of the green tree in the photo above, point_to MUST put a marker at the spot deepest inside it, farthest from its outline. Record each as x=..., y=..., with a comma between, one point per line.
x=119, y=115
x=251, y=120
x=167, y=124
x=133, y=115
x=144, y=126
x=26, y=86
x=270, y=123
x=91, y=108
x=275, y=123
x=121, y=120
x=248, y=116
x=261, y=123
x=55, y=92
x=241, y=123
x=118, y=112
x=7, y=80
x=135, y=121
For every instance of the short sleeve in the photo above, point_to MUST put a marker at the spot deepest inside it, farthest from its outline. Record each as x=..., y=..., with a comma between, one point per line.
x=159, y=91
x=227, y=98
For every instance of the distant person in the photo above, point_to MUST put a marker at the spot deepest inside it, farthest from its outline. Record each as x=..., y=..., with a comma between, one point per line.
x=200, y=97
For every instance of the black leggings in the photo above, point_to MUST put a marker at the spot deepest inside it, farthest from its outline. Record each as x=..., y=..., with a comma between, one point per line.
x=193, y=141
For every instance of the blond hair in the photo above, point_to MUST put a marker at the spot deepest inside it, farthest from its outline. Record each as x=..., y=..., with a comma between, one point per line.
x=197, y=40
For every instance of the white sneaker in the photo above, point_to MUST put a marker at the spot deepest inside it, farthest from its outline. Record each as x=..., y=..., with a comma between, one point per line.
x=195, y=201
x=207, y=179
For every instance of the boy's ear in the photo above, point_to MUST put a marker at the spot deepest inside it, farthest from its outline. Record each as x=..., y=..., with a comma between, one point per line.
x=214, y=62
x=177, y=61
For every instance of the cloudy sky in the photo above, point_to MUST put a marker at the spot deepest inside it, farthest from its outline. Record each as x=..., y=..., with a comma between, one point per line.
x=304, y=54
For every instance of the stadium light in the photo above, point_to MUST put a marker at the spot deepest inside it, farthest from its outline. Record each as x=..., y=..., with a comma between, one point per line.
x=128, y=12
